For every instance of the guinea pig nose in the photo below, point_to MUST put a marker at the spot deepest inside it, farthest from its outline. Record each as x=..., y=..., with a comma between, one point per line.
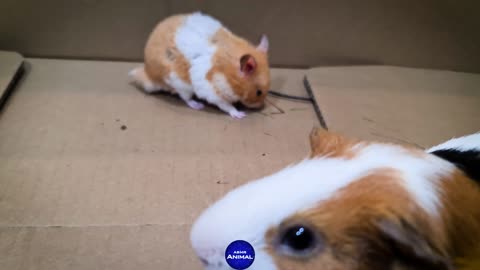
x=210, y=258
x=204, y=261
x=211, y=263
x=259, y=92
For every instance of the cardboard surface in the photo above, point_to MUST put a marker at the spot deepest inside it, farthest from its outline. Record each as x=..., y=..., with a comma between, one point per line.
x=427, y=33
x=78, y=192
x=10, y=63
x=402, y=105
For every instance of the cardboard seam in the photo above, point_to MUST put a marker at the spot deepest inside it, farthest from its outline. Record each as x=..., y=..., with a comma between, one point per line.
x=12, y=84
x=316, y=107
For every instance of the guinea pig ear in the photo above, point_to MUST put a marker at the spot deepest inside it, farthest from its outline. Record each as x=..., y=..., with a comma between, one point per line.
x=264, y=44
x=323, y=143
x=248, y=64
x=410, y=247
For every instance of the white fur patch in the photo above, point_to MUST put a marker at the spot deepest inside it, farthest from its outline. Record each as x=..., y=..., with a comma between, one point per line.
x=133, y=73
x=220, y=82
x=193, y=36
x=248, y=211
x=193, y=40
x=138, y=77
x=465, y=143
x=184, y=90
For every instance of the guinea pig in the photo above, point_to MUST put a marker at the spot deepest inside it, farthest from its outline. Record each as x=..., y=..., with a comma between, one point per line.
x=195, y=55
x=354, y=205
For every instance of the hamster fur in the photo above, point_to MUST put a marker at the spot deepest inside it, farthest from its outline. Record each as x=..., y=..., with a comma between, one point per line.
x=194, y=54
x=354, y=205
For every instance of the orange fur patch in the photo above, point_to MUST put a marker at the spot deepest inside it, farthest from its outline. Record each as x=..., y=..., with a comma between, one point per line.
x=348, y=221
x=161, y=54
x=329, y=144
x=461, y=214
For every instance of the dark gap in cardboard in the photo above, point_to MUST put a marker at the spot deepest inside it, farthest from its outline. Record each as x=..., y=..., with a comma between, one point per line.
x=318, y=112
x=12, y=85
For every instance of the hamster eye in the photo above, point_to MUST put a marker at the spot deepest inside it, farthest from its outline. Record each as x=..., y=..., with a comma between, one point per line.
x=299, y=241
x=259, y=92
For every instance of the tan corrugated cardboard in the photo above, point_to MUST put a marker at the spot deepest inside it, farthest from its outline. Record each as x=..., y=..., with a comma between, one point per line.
x=79, y=192
x=404, y=105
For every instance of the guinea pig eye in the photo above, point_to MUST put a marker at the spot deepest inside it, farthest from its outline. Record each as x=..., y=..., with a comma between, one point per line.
x=259, y=92
x=299, y=241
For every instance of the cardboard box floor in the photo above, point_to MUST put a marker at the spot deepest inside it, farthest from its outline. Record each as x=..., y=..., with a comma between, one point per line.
x=79, y=192
x=402, y=105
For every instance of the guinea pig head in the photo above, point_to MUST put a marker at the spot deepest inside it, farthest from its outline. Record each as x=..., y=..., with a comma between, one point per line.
x=255, y=75
x=350, y=205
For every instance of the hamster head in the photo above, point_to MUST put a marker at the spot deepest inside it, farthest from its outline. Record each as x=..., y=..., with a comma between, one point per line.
x=254, y=75
x=351, y=205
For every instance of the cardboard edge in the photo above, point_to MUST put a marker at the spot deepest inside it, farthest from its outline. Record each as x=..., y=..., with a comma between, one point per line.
x=316, y=107
x=13, y=82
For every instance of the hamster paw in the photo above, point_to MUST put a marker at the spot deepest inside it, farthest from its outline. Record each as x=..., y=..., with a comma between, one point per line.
x=195, y=105
x=237, y=114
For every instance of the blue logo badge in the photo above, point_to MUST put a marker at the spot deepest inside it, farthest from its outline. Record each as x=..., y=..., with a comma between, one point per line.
x=240, y=255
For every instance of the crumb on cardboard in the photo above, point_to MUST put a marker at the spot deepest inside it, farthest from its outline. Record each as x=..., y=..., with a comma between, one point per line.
x=220, y=182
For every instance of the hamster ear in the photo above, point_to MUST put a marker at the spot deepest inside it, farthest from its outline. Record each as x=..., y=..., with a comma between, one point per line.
x=248, y=64
x=407, y=245
x=264, y=44
x=323, y=143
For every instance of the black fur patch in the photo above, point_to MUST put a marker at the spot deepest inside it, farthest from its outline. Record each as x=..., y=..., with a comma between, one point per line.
x=467, y=161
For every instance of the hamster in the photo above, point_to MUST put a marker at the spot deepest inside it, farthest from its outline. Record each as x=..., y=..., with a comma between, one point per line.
x=195, y=55
x=354, y=205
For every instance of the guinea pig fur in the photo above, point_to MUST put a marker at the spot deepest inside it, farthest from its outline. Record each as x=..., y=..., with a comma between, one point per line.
x=195, y=55
x=354, y=205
